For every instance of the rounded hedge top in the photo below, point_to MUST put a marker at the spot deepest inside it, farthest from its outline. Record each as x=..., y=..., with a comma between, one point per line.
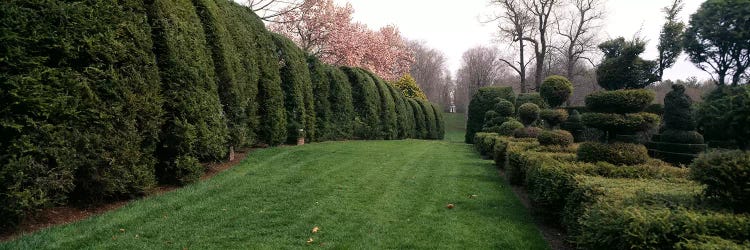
x=529, y=113
x=620, y=101
x=504, y=107
x=555, y=90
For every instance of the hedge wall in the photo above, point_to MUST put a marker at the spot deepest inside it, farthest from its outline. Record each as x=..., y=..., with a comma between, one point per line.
x=388, y=117
x=481, y=102
x=321, y=87
x=411, y=121
x=237, y=91
x=81, y=108
x=430, y=119
x=439, y=120
x=404, y=119
x=366, y=104
x=296, y=83
x=342, y=108
x=420, y=120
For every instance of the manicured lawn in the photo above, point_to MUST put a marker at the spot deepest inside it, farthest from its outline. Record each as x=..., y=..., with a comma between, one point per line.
x=361, y=194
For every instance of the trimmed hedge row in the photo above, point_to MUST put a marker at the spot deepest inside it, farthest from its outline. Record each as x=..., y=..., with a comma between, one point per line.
x=102, y=99
x=601, y=205
x=484, y=100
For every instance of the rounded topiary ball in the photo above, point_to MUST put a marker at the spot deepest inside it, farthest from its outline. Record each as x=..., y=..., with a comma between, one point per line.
x=508, y=127
x=615, y=153
x=555, y=137
x=529, y=113
x=489, y=115
x=528, y=132
x=555, y=90
x=504, y=108
x=554, y=117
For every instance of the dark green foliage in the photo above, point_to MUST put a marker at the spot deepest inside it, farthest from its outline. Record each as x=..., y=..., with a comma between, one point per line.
x=296, y=83
x=236, y=79
x=510, y=126
x=388, y=116
x=555, y=137
x=321, y=86
x=420, y=120
x=681, y=136
x=534, y=98
x=404, y=119
x=439, y=120
x=670, y=38
x=622, y=67
x=553, y=117
x=724, y=115
x=485, y=142
x=481, y=102
x=430, y=119
x=620, y=101
x=555, y=90
x=528, y=113
x=726, y=176
x=703, y=242
x=340, y=100
x=410, y=119
x=574, y=125
x=716, y=37
x=678, y=113
x=366, y=102
x=527, y=132
x=655, y=108
x=621, y=124
x=615, y=153
x=677, y=147
x=504, y=107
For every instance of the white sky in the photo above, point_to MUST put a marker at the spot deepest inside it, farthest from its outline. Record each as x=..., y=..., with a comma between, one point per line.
x=454, y=26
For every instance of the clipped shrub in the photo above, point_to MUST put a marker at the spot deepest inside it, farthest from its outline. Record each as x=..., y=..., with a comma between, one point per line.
x=411, y=123
x=409, y=87
x=186, y=170
x=553, y=117
x=388, y=116
x=555, y=137
x=574, y=125
x=703, y=242
x=321, y=87
x=621, y=124
x=678, y=114
x=366, y=102
x=620, y=101
x=430, y=119
x=440, y=121
x=296, y=83
x=656, y=108
x=236, y=80
x=402, y=115
x=420, y=120
x=528, y=113
x=555, y=90
x=485, y=142
x=534, y=98
x=726, y=175
x=527, y=132
x=724, y=114
x=481, y=102
x=504, y=107
x=509, y=127
x=615, y=153
x=342, y=108
x=681, y=136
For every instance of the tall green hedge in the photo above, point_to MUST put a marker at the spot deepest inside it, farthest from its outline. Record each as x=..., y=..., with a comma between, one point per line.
x=295, y=79
x=80, y=108
x=439, y=120
x=430, y=119
x=403, y=121
x=342, y=107
x=420, y=120
x=260, y=52
x=236, y=76
x=321, y=88
x=481, y=102
x=366, y=102
x=195, y=128
x=388, y=116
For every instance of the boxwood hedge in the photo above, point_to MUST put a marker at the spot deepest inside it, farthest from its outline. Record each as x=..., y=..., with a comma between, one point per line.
x=483, y=101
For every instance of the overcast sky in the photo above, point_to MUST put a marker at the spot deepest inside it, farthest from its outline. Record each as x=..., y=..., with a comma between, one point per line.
x=455, y=26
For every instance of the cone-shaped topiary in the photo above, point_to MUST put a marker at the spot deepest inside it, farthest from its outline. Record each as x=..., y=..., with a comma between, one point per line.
x=555, y=90
x=679, y=142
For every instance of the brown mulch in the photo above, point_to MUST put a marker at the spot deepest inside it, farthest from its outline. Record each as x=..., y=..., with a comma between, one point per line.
x=551, y=233
x=69, y=213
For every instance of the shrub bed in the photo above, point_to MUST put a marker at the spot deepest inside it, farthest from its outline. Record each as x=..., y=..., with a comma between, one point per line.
x=619, y=102
x=483, y=101
x=616, y=153
x=726, y=176
x=555, y=137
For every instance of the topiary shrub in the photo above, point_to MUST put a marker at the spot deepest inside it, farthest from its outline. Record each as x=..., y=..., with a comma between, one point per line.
x=342, y=108
x=555, y=137
x=678, y=114
x=555, y=90
x=615, y=153
x=703, y=242
x=619, y=101
x=402, y=113
x=656, y=108
x=296, y=83
x=681, y=136
x=439, y=120
x=483, y=101
x=420, y=120
x=321, y=87
x=366, y=101
x=723, y=116
x=677, y=142
x=528, y=113
x=388, y=117
x=504, y=107
x=509, y=127
x=574, y=125
x=534, y=98
x=626, y=124
x=726, y=175
x=527, y=132
x=553, y=117
x=430, y=119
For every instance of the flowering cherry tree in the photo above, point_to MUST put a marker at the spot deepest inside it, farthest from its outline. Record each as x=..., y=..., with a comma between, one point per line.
x=327, y=31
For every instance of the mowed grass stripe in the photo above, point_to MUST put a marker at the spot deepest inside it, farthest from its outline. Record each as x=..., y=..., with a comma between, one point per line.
x=361, y=194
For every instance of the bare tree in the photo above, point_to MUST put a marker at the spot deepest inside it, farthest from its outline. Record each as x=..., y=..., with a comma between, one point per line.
x=579, y=35
x=268, y=10
x=541, y=11
x=479, y=68
x=428, y=69
x=515, y=23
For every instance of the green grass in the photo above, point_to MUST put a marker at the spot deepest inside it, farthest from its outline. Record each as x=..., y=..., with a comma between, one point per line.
x=361, y=194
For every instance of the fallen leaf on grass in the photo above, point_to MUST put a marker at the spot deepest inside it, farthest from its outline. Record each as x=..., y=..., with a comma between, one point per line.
x=122, y=230
x=310, y=241
x=315, y=229
x=450, y=206
x=472, y=196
